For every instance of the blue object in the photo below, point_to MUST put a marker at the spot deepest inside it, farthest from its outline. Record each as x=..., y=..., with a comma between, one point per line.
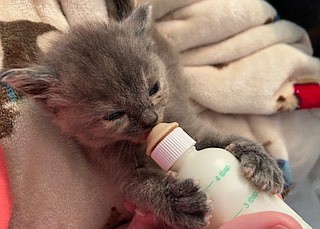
x=285, y=167
x=11, y=94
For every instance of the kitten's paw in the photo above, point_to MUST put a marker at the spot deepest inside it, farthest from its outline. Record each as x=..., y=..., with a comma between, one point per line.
x=185, y=205
x=258, y=166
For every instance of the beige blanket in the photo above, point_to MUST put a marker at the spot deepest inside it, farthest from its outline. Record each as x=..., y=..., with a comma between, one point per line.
x=242, y=65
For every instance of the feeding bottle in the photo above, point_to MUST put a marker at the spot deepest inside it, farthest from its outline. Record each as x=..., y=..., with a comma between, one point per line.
x=219, y=174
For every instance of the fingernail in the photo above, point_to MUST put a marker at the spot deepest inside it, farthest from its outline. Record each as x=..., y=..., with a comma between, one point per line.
x=140, y=212
x=279, y=227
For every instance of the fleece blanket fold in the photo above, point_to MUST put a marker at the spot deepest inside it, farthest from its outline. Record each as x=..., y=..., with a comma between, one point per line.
x=250, y=73
x=241, y=33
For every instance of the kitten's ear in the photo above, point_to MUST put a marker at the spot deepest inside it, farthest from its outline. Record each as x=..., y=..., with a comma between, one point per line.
x=35, y=82
x=141, y=18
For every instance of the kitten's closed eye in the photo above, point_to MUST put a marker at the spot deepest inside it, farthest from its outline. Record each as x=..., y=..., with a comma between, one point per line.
x=114, y=115
x=154, y=89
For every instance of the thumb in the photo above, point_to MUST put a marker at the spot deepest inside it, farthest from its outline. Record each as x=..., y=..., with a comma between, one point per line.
x=142, y=220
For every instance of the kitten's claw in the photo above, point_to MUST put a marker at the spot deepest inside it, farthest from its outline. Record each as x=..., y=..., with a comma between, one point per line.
x=186, y=206
x=172, y=174
x=258, y=166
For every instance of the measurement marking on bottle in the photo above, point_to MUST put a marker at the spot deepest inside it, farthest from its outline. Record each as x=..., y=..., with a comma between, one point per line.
x=239, y=212
x=248, y=203
x=225, y=170
x=222, y=173
x=211, y=183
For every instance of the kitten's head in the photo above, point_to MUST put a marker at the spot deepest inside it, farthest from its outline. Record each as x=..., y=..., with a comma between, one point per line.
x=102, y=83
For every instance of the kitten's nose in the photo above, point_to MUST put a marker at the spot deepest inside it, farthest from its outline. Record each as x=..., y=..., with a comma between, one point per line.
x=148, y=119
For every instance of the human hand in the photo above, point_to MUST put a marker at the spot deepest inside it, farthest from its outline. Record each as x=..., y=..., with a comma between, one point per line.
x=262, y=220
x=142, y=221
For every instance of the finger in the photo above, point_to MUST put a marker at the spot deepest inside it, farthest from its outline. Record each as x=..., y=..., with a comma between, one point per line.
x=262, y=220
x=142, y=221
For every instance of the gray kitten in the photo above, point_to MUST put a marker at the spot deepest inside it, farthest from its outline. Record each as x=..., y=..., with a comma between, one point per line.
x=106, y=86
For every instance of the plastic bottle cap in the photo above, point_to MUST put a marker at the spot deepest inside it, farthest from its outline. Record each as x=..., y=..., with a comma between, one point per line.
x=166, y=143
x=159, y=132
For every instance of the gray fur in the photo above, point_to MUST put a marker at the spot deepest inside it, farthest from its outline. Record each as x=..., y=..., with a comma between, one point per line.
x=98, y=69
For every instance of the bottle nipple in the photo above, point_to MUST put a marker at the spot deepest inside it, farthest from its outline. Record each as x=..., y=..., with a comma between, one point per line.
x=159, y=132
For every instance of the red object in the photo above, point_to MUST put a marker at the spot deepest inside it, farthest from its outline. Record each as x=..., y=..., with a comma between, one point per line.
x=308, y=95
x=5, y=195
